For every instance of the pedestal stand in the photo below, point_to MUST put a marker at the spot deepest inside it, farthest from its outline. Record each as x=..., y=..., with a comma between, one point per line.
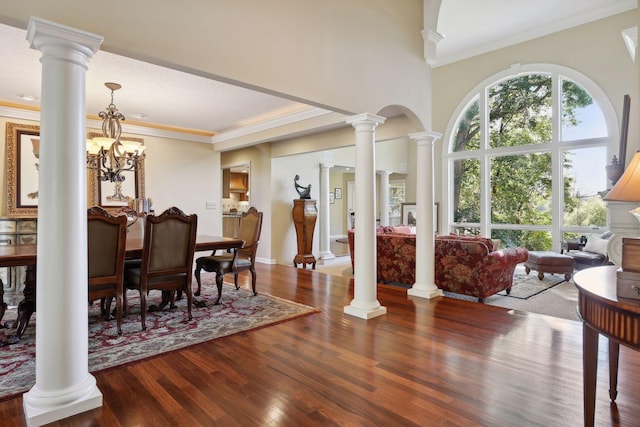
x=305, y=214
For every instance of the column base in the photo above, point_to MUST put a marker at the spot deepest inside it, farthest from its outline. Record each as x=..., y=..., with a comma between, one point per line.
x=327, y=255
x=42, y=409
x=427, y=292
x=364, y=313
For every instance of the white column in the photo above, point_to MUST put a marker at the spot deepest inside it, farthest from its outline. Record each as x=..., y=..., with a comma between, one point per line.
x=63, y=386
x=425, y=272
x=365, y=304
x=325, y=215
x=384, y=197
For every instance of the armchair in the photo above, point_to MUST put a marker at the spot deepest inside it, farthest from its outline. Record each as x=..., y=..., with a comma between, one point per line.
x=243, y=259
x=167, y=259
x=470, y=266
x=590, y=254
x=106, y=251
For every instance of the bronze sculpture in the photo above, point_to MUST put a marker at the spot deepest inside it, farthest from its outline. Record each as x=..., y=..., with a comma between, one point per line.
x=304, y=192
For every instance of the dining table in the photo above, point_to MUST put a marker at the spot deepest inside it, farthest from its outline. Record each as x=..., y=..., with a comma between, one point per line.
x=26, y=255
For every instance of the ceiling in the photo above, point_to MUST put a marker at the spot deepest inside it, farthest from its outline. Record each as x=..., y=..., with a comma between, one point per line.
x=472, y=27
x=156, y=95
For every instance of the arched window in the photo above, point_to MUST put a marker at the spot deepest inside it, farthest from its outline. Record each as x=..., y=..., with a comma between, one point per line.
x=527, y=156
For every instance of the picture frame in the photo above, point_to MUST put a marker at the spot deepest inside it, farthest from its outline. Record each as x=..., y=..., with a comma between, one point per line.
x=101, y=192
x=338, y=193
x=332, y=199
x=409, y=214
x=23, y=152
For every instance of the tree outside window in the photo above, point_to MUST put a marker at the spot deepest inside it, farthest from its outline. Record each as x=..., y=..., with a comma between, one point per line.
x=505, y=167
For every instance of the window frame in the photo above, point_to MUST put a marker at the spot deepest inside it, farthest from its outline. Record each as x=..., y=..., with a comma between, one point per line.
x=555, y=146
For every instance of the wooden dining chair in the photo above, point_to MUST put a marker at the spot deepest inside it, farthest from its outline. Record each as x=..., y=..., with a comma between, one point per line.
x=106, y=242
x=244, y=259
x=167, y=260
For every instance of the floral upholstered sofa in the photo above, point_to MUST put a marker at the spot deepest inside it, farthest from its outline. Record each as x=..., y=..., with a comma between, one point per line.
x=463, y=264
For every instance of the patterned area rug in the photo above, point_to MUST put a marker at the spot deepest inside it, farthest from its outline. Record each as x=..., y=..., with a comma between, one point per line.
x=167, y=330
x=527, y=285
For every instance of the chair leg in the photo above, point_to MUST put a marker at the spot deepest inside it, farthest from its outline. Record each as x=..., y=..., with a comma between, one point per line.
x=197, y=274
x=119, y=314
x=124, y=302
x=105, y=307
x=143, y=309
x=235, y=280
x=219, y=277
x=253, y=280
x=187, y=291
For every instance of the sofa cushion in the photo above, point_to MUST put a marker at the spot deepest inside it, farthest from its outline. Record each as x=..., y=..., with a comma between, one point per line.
x=404, y=229
x=596, y=245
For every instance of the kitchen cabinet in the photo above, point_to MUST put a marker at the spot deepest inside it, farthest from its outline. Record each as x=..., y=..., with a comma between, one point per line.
x=230, y=225
x=226, y=178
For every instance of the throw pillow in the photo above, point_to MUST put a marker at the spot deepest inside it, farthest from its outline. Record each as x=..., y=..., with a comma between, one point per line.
x=404, y=229
x=596, y=245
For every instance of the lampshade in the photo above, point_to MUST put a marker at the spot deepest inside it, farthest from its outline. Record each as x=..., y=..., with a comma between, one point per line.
x=92, y=147
x=627, y=189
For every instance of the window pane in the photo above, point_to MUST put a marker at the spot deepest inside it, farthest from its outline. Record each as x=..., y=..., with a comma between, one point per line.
x=466, y=231
x=520, y=111
x=532, y=240
x=581, y=117
x=584, y=177
x=521, y=189
x=396, y=198
x=467, y=135
x=466, y=191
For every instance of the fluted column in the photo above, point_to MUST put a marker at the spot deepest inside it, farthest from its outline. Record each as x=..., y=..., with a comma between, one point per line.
x=365, y=304
x=384, y=196
x=63, y=386
x=425, y=270
x=325, y=215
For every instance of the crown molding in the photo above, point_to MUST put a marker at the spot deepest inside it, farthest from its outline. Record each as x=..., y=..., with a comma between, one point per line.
x=244, y=131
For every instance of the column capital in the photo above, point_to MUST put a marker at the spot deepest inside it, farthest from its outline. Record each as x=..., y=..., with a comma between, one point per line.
x=384, y=172
x=365, y=119
x=326, y=165
x=41, y=33
x=426, y=137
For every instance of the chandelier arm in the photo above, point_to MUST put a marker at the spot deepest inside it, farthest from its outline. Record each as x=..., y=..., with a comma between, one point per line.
x=113, y=160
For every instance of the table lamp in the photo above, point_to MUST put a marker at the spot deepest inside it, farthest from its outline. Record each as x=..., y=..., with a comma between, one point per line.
x=627, y=189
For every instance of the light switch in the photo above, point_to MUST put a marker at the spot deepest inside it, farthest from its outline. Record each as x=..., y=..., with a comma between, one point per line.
x=211, y=205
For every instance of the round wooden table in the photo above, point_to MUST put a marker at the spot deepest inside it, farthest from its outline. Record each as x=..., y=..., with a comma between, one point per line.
x=603, y=313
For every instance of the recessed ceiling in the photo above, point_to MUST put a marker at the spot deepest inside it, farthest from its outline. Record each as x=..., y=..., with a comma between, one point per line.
x=472, y=27
x=149, y=93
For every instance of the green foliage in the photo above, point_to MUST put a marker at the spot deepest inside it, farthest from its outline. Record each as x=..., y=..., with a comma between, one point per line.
x=590, y=212
x=532, y=240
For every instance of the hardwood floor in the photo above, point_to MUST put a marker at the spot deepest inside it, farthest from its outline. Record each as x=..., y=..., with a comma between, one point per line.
x=441, y=362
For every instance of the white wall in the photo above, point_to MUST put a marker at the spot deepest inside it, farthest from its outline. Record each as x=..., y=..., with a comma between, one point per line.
x=184, y=174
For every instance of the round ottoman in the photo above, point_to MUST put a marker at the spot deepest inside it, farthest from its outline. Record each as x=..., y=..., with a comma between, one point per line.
x=549, y=262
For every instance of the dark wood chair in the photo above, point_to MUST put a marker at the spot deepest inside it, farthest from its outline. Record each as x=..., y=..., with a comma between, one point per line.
x=167, y=260
x=243, y=259
x=106, y=251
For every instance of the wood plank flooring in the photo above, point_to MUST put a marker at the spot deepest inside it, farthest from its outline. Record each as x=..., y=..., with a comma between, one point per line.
x=441, y=362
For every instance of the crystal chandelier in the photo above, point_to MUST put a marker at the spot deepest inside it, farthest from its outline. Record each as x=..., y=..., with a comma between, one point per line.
x=108, y=154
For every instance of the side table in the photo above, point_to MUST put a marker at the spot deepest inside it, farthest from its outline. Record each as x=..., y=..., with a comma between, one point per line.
x=603, y=313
